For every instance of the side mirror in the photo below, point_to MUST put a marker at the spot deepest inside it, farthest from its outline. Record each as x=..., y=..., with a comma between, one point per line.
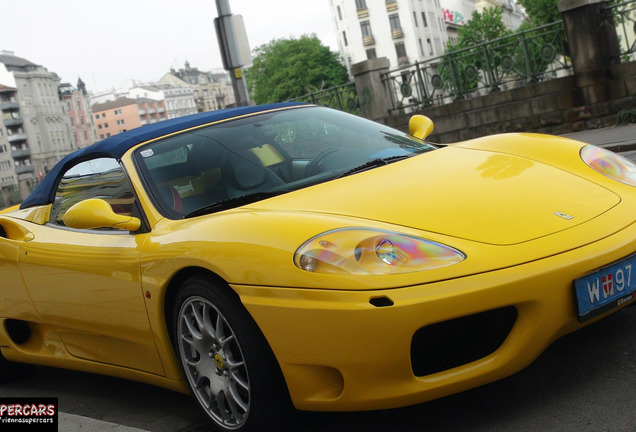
x=97, y=213
x=420, y=126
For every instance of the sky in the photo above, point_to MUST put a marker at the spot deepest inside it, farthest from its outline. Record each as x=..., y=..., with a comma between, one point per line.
x=107, y=42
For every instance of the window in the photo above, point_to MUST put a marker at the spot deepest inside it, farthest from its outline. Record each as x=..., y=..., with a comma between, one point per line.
x=400, y=50
x=371, y=53
x=365, y=26
x=344, y=38
x=100, y=178
x=424, y=23
x=430, y=46
x=3, y=148
x=117, y=112
x=120, y=122
x=96, y=116
x=421, y=47
x=103, y=115
x=79, y=105
x=105, y=125
x=395, y=22
x=99, y=126
x=415, y=18
x=361, y=4
x=339, y=13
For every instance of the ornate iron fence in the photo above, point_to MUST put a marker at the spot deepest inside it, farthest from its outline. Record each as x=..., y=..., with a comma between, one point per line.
x=343, y=97
x=624, y=14
x=530, y=56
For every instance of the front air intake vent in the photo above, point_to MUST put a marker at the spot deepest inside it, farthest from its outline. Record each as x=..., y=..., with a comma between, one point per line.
x=448, y=344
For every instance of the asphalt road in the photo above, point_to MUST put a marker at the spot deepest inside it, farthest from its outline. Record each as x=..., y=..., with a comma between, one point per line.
x=585, y=382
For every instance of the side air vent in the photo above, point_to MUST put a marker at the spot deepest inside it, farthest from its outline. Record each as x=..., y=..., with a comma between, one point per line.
x=18, y=331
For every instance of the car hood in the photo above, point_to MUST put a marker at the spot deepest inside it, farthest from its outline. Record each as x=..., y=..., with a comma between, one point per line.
x=473, y=194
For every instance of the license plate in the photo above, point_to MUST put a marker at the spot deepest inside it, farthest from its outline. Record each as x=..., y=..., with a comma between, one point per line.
x=606, y=288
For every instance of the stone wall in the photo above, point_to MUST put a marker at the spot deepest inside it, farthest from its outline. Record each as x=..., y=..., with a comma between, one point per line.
x=557, y=106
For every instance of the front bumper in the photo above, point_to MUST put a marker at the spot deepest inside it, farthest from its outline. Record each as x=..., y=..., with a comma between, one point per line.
x=340, y=352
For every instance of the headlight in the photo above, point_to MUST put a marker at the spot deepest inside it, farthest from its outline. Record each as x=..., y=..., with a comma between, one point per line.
x=362, y=251
x=609, y=164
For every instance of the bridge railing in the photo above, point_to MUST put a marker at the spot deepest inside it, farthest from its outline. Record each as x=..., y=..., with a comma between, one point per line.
x=343, y=97
x=530, y=56
x=624, y=14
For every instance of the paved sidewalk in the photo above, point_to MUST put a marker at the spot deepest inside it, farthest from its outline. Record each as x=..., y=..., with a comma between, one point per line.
x=75, y=423
x=619, y=139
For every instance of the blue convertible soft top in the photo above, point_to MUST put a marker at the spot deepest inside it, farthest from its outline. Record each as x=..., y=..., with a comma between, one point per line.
x=116, y=145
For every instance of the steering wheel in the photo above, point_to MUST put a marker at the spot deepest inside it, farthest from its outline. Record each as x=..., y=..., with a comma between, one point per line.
x=315, y=166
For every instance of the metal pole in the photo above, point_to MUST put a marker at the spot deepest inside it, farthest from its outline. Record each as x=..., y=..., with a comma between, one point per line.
x=236, y=73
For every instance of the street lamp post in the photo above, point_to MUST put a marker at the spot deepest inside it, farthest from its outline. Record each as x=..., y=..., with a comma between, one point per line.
x=235, y=53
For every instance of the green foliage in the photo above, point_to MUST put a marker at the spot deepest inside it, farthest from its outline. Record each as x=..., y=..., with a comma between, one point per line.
x=627, y=116
x=482, y=27
x=461, y=64
x=541, y=12
x=285, y=69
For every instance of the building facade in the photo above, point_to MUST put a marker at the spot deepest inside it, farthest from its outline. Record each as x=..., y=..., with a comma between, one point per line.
x=77, y=106
x=44, y=121
x=404, y=31
x=212, y=90
x=178, y=97
x=14, y=148
x=114, y=117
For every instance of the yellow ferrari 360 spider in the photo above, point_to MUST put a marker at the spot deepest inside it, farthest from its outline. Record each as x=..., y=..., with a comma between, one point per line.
x=287, y=254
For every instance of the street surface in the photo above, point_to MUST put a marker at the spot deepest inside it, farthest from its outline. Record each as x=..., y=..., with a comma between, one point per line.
x=583, y=383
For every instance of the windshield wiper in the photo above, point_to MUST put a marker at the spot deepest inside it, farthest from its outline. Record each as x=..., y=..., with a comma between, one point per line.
x=374, y=163
x=233, y=202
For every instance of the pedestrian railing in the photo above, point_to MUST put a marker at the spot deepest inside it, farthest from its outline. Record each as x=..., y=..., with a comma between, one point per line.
x=343, y=97
x=624, y=17
x=530, y=56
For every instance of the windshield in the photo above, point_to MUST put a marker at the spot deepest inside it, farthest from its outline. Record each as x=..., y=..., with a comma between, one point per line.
x=240, y=161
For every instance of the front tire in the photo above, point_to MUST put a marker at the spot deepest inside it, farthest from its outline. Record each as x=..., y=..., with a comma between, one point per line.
x=228, y=364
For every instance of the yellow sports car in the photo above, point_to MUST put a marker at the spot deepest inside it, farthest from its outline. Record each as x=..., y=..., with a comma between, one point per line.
x=279, y=255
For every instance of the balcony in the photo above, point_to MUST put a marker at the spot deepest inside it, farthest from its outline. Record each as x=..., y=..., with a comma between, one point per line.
x=17, y=137
x=10, y=122
x=23, y=169
x=363, y=13
x=397, y=33
x=17, y=154
x=142, y=112
x=9, y=106
x=403, y=61
x=368, y=40
x=391, y=6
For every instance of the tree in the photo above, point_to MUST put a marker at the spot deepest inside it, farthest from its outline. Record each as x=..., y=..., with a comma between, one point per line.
x=482, y=27
x=463, y=60
x=541, y=12
x=285, y=69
